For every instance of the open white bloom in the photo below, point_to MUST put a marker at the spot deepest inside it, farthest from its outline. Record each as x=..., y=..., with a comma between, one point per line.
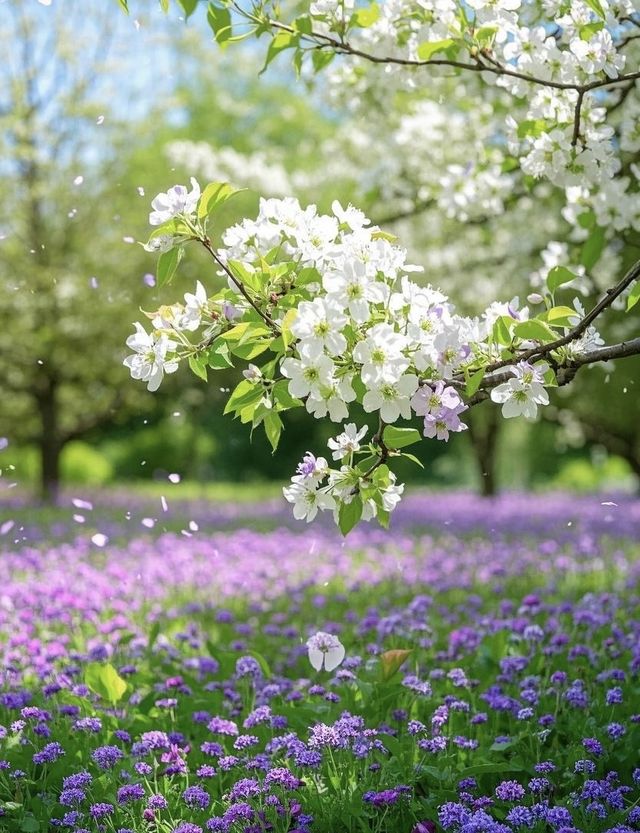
x=326, y=650
x=331, y=399
x=309, y=373
x=381, y=355
x=521, y=395
x=392, y=399
x=175, y=201
x=347, y=442
x=149, y=362
x=318, y=323
x=350, y=216
x=194, y=307
x=307, y=498
x=351, y=288
x=392, y=494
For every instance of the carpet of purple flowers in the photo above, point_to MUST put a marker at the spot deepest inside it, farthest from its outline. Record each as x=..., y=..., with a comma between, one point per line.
x=159, y=682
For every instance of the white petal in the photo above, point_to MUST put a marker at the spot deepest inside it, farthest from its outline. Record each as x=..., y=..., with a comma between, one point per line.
x=315, y=658
x=333, y=657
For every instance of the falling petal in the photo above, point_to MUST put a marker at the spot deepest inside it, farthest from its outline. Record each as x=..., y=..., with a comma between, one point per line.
x=99, y=539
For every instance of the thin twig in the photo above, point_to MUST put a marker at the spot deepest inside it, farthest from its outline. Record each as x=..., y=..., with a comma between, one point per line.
x=544, y=349
x=241, y=287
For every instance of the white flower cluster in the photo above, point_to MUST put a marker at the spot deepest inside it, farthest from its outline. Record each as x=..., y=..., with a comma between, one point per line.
x=352, y=327
x=557, y=132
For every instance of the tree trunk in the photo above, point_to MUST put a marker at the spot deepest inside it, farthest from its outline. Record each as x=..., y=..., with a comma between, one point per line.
x=49, y=443
x=483, y=432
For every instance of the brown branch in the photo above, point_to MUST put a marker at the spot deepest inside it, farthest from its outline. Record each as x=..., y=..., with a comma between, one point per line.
x=576, y=119
x=544, y=349
x=565, y=371
x=241, y=287
x=342, y=47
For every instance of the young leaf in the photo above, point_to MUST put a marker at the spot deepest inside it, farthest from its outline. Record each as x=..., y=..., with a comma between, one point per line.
x=219, y=19
x=430, y=48
x=167, y=265
x=400, y=437
x=413, y=458
x=558, y=276
x=349, y=514
x=273, y=428
x=213, y=196
x=282, y=41
x=534, y=330
x=366, y=17
x=244, y=394
x=198, y=365
x=593, y=248
x=188, y=7
x=219, y=355
x=473, y=382
x=104, y=680
x=391, y=661
x=634, y=296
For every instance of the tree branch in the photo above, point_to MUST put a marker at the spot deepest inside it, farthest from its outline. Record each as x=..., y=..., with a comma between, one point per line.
x=544, y=349
x=566, y=371
x=241, y=288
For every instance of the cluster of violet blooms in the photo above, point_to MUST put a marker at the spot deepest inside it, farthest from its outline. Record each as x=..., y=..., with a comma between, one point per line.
x=363, y=331
x=511, y=674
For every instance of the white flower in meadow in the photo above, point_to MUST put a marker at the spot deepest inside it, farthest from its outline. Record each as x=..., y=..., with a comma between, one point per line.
x=392, y=399
x=318, y=323
x=347, y=442
x=149, y=362
x=325, y=650
x=309, y=373
x=381, y=355
x=177, y=200
x=195, y=306
x=307, y=498
x=521, y=395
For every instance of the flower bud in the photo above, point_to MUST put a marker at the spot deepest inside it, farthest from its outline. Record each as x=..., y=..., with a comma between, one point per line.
x=535, y=298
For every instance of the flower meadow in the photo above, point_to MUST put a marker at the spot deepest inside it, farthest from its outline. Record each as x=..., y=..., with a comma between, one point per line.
x=473, y=670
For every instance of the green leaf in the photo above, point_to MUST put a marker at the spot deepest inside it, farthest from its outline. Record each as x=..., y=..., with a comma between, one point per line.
x=473, y=382
x=198, y=365
x=534, y=330
x=219, y=19
x=244, y=394
x=590, y=29
x=104, y=680
x=281, y=41
x=413, y=458
x=634, y=296
x=321, y=59
x=349, y=514
x=501, y=332
x=391, y=661
x=366, y=17
x=596, y=7
x=427, y=50
x=283, y=398
x=167, y=265
x=400, y=437
x=558, y=276
x=559, y=316
x=29, y=824
x=592, y=248
x=164, y=5
x=124, y=6
x=219, y=355
x=273, y=428
x=213, y=196
x=188, y=7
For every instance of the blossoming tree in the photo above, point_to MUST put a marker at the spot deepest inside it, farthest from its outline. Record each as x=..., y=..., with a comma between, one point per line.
x=325, y=303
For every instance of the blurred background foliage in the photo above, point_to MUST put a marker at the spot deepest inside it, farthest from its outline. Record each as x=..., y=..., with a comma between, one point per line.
x=100, y=112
